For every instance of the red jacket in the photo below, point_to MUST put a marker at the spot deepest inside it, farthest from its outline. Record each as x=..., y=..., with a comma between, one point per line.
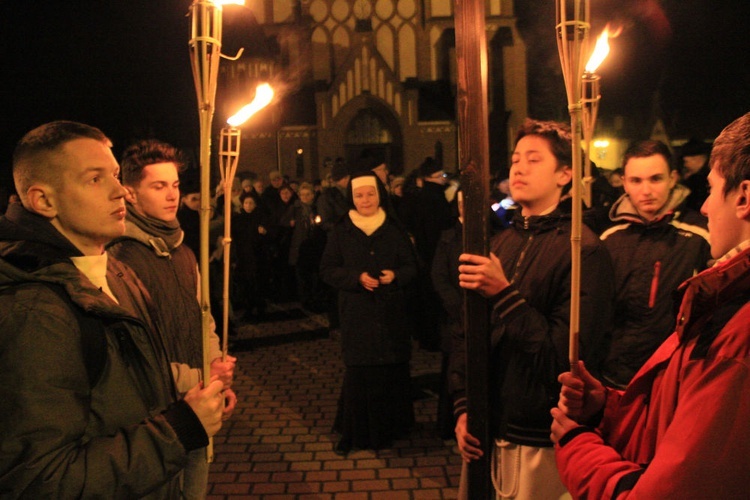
x=682, y=427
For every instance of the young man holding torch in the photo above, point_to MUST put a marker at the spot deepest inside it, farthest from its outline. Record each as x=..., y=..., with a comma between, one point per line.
x=526, y=279
x=90, y=408
x=680, y=429
x=152, y=247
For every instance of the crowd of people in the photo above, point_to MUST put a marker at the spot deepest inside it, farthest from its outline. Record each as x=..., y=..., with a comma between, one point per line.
x=100, y=302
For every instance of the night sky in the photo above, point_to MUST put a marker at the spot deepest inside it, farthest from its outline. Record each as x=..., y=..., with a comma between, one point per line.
x=124, y=66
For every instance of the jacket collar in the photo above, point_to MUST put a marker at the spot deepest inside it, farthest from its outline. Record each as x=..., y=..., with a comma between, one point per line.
x=713, y=287
x=23, y=233
x=623, y=209
x=540, y=223
x=33, y=251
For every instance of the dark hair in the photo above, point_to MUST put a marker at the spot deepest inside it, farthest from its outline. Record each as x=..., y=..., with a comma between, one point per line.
x=730, y=156
x=556, y=134
x=643, y=149
x=144, y=153
x=33, y=157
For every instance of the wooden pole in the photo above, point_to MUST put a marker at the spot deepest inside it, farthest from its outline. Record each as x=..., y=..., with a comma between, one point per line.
x=205, y=50
x=473, y=147
x=572, y=28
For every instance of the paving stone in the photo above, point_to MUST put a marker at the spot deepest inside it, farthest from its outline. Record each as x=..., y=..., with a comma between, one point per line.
x=279, y=444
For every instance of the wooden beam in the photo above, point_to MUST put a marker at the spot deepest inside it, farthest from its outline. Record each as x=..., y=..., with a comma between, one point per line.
x=473, y=147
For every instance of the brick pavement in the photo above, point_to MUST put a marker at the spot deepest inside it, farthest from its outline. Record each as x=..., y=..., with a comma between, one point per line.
x=279, y=445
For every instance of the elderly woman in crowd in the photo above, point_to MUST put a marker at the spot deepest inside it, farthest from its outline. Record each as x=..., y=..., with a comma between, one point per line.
x=368, y=258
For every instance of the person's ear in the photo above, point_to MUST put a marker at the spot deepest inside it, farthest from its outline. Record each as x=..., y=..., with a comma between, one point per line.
x=743, y=200
x=130, y=196
x=41, y=200
x=564, y=175
x=674, y=178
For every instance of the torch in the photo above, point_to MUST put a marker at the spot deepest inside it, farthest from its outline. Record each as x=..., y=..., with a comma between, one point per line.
x=583, y=104
x=590, y=98
x=229, y=156
x=205, y=53
x=573, y=26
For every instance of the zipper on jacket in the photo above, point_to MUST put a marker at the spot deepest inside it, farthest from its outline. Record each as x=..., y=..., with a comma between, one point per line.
x=521, y=258
x=654, y=285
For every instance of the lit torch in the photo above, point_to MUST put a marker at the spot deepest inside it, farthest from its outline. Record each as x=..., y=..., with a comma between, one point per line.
x=590, y=98
x=205, y=53
x=572, y=17
x=572, y=28
x=229, y=157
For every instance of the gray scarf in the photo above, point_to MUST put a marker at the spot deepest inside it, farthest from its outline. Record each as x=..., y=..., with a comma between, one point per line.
x=161, y=235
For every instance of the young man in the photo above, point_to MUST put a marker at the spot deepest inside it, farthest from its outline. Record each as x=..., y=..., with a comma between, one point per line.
x=680, y=429
x=89, y=401
x=527, y=281
x=657, y=244
x=152, y=247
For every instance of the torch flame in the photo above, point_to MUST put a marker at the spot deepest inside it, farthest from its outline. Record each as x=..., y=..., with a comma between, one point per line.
x=231, y=2
x=263, y=96
x=601, y=49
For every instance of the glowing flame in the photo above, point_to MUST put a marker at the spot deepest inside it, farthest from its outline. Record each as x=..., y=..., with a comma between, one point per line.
x=601, y=49
x=230, y=2
x=263, y=96
x=318, y=220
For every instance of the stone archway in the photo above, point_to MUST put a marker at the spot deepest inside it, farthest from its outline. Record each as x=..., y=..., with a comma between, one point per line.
x=368, y=123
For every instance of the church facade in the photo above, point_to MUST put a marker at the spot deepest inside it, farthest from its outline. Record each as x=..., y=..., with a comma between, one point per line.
x=367, y=75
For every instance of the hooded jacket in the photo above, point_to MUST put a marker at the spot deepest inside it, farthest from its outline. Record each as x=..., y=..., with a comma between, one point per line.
x=651, y=259
x=530, y=324
x=125, y=437
x=681, y=429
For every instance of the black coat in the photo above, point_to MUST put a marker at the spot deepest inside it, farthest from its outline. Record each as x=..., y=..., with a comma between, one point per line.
x=530, y=324
x=445, y=281
x=248, y=243
x=432, y=215
x=373, y=324
x=332, y=207
x=651, y=260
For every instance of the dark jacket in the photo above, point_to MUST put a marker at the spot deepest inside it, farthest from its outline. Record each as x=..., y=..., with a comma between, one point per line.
x=171, y=278
x=373, y=324
x=248, y=244
x=303, y=232
x=530, y=324
x=332, y=207
x=61, y=438
x=432, y=214
x=445, y=281
x=651, y=260
x=697, y=184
